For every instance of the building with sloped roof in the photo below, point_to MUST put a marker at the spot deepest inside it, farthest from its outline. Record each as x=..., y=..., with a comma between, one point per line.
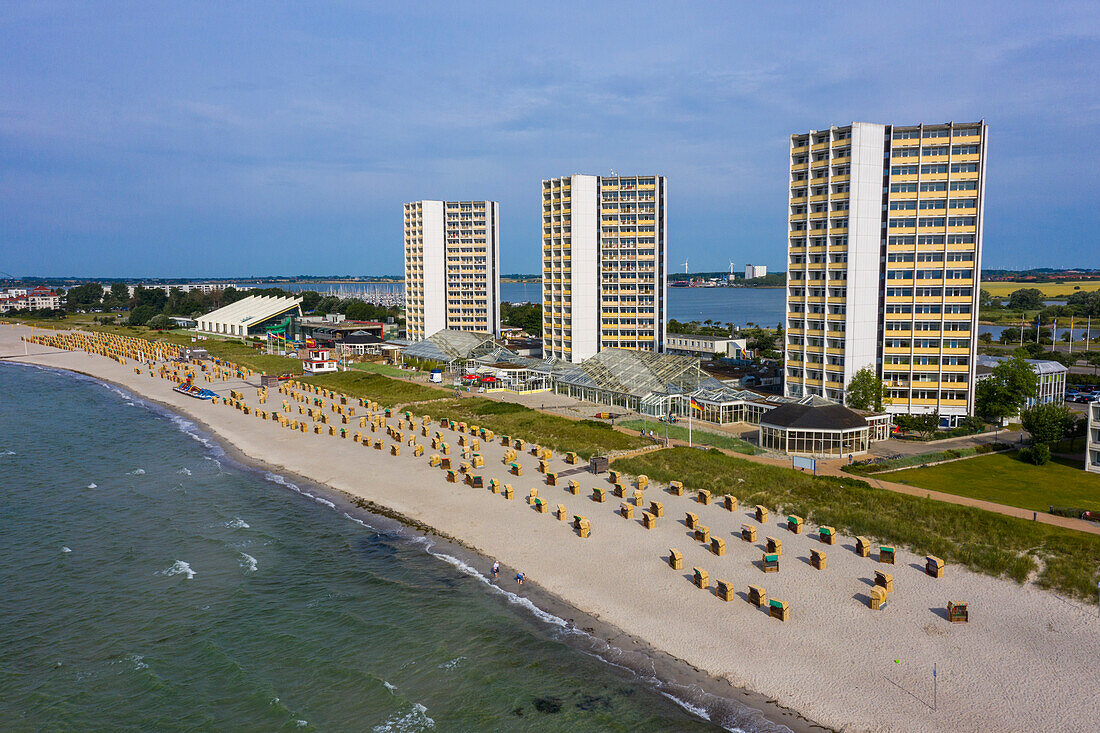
x=626, y=377
x=453, y=348
x=821, y=430
x=250, y=316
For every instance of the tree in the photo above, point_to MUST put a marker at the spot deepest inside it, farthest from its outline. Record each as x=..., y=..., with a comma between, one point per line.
x=985, y=338
x=1026, y=299
x=1047, y=423
x=926, y=424
x=310, y=299
x=1003, y=393
x=120, y=295
x=1039, y=454
x=986, y=301
x=866, y=391
x=1009, y=335
x=141, y=314
x=159, y=322
x=88, y=295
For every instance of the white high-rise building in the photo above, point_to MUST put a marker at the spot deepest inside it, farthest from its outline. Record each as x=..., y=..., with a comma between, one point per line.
x=884, y=257
x=604, y=264
x=452, y=273
x=753, y=271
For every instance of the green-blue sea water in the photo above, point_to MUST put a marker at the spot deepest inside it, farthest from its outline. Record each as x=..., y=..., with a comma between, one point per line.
x=149, y=582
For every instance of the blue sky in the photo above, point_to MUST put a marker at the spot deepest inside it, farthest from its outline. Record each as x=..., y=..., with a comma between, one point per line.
x=195, y=139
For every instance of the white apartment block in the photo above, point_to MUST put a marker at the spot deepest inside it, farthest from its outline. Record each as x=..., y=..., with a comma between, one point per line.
x=884, y=256
x=452, y=272
x=604, y=264
x=753, y=271
x=1092, y=452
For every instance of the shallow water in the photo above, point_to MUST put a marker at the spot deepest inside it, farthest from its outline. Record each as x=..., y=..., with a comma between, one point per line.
x=151, y=582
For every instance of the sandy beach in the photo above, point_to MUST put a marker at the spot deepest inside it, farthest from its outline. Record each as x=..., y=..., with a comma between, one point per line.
x=1026, y=660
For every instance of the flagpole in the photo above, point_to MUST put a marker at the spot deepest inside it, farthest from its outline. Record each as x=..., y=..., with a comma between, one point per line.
x=1038, y=325
x=1021, y=328
x=1071, y=334
x=690, y=410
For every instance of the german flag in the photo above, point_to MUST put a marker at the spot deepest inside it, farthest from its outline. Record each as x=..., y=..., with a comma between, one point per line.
x=695, y=405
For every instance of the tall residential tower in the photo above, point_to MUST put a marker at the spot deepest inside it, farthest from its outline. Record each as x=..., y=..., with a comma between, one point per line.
x=452, y=274
x=884, y=260
x=604, y=264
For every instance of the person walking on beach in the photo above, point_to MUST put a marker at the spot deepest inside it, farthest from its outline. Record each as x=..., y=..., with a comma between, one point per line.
x=520, y=578
x=496, y=569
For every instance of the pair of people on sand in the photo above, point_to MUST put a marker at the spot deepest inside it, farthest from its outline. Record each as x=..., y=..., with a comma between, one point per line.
x=495, y=570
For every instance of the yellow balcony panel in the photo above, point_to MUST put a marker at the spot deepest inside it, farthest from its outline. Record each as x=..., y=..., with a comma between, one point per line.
x=835, y=352
x=800, y=149
x=820, y=146
x=840, y=179
x=812, y=382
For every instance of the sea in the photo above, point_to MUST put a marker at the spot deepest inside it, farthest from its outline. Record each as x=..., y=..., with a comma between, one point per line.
x=152, y=581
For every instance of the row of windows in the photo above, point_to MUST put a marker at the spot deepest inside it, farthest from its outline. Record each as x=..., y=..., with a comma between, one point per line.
x=912, y=205
x=930, y=292
x=948, y=343
x=933, y=168
x=927, y=394
x=909, y=239
x=921, y=360
x=913, y=186
x=936, y=221
x=929, y=256
x=930, y=274
x=927, y=325
x=927, y=308
x=916, y=134
x=915, y=152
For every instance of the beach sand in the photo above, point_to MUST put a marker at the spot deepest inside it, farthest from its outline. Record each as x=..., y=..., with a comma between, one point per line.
x=1026, y=661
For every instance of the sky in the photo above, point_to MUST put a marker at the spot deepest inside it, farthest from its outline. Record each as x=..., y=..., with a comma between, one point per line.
x=212, y=139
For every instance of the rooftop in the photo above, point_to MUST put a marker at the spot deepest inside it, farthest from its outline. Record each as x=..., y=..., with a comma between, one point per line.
x=813, y=417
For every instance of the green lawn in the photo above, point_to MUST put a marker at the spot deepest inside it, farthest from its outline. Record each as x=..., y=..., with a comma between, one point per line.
x=1005, y=479
x=698, y=437
x=986, y=542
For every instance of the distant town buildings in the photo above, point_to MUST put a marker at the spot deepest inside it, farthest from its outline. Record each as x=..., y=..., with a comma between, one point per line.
x=604, y=264
x=452, y=272
x=185, y=287
x=754, y=271
x=705, y=346
x=884, y=252
x=37, y=298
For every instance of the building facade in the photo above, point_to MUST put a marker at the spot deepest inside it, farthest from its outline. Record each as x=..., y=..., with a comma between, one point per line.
x=884, y=253
x=705, y=346
x=452, y=273
x=604, y=264
x=1050, y=375
x=753, y=271
x=1092, y=451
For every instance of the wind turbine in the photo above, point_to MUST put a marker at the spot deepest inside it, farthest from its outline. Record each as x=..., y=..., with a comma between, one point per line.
x=731, y=271
x=685, y=266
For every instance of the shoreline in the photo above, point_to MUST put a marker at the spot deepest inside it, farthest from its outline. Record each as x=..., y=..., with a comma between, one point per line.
x=833, y=662
x=692, y=689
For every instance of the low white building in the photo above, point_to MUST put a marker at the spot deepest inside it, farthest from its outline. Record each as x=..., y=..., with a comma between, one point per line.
x=1052, y=378
x=250, y=316
x=318, y=361
x=705, y=346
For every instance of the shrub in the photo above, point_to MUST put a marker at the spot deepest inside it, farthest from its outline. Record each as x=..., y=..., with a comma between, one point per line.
x=1039, y=454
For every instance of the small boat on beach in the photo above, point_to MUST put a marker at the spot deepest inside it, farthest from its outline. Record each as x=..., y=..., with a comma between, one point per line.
x=191, y=390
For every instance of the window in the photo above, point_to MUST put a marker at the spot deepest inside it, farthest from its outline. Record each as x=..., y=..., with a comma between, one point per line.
x=904, y=240
x=899, y=308
x=937, y=133
x=929, y=274
x=934, y=204
x=934, y=169
x=933, y=186
x=930, y=257
x=926, y=308
x=960, y=239
x=965, y=131
x=937, y=150
x=930, y=239
x=906, y=135
x=900, y=257
x=903, y=187
x=964, y=203
x=913, y=152
x=959, y=292
x=899, y=292
x=904, y=170
x=929, y=292
x=960, y=256
x=926, y=343
x=896, y=343
x=899, y=274
x=903, y=205
x=960, y=274
x=899, y=223
x=964, y=167
x=961, y=221
x=839, y=241
x=929, y=221
x=957, y=308
x=964, y=149
x=964, y=185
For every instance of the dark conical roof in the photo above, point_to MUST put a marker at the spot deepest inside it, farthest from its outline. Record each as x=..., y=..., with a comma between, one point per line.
x=811, y=417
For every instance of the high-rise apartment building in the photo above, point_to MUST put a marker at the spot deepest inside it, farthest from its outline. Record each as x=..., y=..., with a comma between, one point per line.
x=452, y=273
x=884, y=259
x=604, y=264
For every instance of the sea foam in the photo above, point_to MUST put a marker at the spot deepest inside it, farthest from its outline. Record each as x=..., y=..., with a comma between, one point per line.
x=137, y=472
x=65, y=549
x=237, y=523
x=248, y=562
x=414, y=720
x=179, y=567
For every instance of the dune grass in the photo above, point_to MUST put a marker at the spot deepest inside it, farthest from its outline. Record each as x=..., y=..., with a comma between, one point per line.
x=1006, y=479
x=983, y=541
x=585, y=437
x=383, y=390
